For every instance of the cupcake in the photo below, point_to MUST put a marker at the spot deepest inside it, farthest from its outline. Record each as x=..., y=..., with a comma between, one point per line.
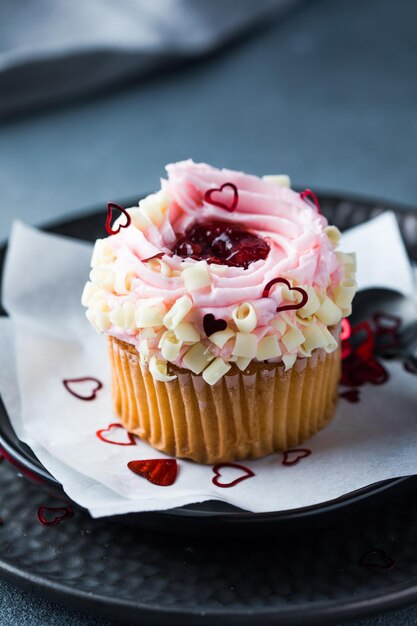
x=222, y=297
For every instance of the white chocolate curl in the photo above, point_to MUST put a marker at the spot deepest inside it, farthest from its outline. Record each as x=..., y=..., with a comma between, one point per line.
x=196, y=277
x=221, y=337
x=244, y=316
x=197, y=358
x=268, y=348
x=245, y=345
x=215, y=371
x=177, y=312
x=158, y=369
x=329, y=313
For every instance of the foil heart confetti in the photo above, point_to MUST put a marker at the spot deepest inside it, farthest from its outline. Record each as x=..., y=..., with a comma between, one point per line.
x=116, y=435
x=54, y=515
x=110, y=208
x=84, y=388
x=217, y=197
x=220, y=479
x=161, y=472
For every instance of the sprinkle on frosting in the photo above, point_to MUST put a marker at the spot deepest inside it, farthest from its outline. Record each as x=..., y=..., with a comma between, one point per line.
x=218, y=198
x=110, y=207
x=210, y=306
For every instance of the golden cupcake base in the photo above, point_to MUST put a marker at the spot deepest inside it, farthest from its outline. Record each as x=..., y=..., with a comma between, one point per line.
x=244, y=415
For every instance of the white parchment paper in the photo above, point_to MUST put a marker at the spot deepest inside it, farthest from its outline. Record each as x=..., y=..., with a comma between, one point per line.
x=48, y=339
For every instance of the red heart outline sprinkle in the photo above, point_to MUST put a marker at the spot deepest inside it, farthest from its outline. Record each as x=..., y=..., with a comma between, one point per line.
x=110, y=207
x=286, y=307
x=67, y=382
x=161, y=472
x=101, y=435
x=351, y=395
x=62, y=513
x=301, y=453
x=208, y=197
x=217, y=474
x=308, y=194
x=212, y=325
x=379, y=560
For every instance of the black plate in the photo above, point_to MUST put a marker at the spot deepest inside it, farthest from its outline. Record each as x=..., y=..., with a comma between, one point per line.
x=299, y=572
x=213, y=516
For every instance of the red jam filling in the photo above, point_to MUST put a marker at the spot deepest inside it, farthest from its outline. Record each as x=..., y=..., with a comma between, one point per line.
x=222, y=243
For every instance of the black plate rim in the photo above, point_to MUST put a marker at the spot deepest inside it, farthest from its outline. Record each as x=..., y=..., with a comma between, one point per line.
x=30, y=462
x=321, y=612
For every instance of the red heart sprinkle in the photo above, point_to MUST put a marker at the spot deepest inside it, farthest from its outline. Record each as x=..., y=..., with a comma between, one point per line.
x=378, y=559
x=211, y=325
x=351, y=395
x=222, y=204
x=70, y=383
x=286, y=307
x=110, y=207
x=291, y=457
x=161, y=472
x=101, y=434
x=247, y=473
x=308, y=194
x=60, y=514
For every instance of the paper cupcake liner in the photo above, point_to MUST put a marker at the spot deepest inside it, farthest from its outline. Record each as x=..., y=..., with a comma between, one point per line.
x=244, y=415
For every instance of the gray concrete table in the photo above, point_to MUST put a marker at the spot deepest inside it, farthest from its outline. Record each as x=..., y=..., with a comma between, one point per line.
x=328, y=95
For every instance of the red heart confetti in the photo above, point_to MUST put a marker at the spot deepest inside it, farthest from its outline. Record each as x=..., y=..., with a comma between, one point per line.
x=212, y=325
x=292, y=457
x=105, y=434
x=307, y=194
x=71, y=385
x=161, y=472
x=351, y=395
x=378, y=560
x=54, y=515
x=216, y=480
x=286, y=307
x=223, y=203
x=110, y=207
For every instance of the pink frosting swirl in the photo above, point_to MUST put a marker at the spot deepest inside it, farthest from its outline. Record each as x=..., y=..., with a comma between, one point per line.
x=300, y=250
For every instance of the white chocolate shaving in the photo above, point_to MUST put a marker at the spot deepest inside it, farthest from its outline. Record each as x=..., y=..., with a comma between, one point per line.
x=154, y=207
x=158, y=369
x=170, y=345
x=348, y=259
x=333, y=234
x=221, y=337
x=279, y=324
x=149, y=315
x=289, y=360
x=245, y=345
x=215, y=371
x=196, y=277
x=123, y=316
x=244, y=317
x=102, y=320
x=312, y=305
x=177, y=312
x=268, y=348
x=122, y=281
x=88, y=292
x=314, y=338
x=329, y=313
x=292, y=339
x=242, y=362
x=331, y=342
x=345, y=293
x=139, y=219
x=278, y=179
x=102, y=253
x=197, y=358
x=157, y=265
x=102, y=275
x=187, y=332
x=147, y=333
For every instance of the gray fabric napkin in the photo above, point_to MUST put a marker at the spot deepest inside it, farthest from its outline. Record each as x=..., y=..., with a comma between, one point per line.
x=55, y=49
